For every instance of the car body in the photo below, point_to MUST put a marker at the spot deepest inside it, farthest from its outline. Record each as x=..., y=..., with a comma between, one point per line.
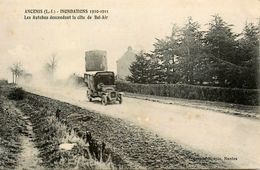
x=101, y=84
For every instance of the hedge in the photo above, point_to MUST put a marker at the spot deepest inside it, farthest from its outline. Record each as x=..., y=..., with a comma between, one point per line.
x=3, y=82
x=231, y=95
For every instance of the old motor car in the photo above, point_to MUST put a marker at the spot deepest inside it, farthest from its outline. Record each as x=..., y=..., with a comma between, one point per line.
x=101, y=85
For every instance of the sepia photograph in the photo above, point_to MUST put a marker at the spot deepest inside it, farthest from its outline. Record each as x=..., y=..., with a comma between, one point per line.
x=129, y=84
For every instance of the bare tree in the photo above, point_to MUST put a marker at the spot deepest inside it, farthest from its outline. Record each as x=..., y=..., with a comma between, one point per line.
x=16, y=70
x=51, y=66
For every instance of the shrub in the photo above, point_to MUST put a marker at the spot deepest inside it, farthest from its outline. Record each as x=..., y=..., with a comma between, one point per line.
x=16, y=94
x=3, y=82
x=232, y=95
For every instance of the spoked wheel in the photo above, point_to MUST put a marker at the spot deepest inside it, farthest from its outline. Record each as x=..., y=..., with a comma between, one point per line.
x=120, y=99
x=89, y=96
x=104, y=100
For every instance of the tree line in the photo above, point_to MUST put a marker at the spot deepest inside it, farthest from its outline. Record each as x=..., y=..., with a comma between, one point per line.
x=215, y=57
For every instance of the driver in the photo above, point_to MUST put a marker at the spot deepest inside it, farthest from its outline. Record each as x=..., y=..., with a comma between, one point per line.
x=100, y=85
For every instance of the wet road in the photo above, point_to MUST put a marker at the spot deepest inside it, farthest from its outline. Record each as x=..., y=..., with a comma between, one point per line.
x=218, y=134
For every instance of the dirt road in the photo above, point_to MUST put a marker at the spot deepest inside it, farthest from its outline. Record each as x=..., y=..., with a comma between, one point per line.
x=233, y=139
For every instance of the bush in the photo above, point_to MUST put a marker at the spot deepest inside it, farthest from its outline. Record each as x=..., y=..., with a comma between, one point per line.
x=3, y=82
x=16, y=94
x=232, y=95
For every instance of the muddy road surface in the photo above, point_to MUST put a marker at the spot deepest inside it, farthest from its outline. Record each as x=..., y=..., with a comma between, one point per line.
x=57, y=134
x=230, y=138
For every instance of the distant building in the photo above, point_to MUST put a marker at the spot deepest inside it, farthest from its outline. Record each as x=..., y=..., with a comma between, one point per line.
x=124, y=63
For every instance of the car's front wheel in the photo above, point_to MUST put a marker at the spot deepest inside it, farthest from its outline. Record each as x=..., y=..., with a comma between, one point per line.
x=89, y=96
x=104, y=100
x=120, y=99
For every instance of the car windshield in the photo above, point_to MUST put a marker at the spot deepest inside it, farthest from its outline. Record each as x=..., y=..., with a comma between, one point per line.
x=105, y=79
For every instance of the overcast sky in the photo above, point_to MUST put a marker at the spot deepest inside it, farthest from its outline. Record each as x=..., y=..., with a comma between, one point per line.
x=133, y=23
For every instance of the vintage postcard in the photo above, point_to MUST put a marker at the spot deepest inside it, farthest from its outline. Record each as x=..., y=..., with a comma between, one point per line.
x=129, y=84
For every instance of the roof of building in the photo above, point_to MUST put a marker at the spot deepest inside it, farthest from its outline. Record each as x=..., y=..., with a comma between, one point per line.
x=129, y=54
